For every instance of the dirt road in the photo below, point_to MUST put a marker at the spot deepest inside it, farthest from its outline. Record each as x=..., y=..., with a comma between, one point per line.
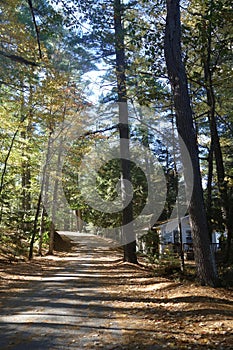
x=88, y=299
x=64, y=309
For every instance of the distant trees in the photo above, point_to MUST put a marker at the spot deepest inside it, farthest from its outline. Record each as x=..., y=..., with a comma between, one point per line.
x=36, y=91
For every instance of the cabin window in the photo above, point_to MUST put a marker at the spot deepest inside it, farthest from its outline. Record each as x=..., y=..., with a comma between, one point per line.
x=176, y=236
x=168, y=237
x=189, y=236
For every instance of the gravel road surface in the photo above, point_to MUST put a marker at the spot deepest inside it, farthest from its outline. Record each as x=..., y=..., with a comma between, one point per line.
x=63, y=309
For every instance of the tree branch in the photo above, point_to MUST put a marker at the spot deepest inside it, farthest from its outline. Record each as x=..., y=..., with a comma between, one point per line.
x=36, y=27
x=18, y=59
x=88, y=133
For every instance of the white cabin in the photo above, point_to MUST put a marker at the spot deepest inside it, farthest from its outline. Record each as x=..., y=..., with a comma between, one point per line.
x=170, y=237
x=170, y=234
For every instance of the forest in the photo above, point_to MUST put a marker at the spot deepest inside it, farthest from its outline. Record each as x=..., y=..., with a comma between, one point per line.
x=116, y=116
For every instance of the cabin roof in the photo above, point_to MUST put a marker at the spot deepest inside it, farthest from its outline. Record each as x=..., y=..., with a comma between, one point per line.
x=170, y=222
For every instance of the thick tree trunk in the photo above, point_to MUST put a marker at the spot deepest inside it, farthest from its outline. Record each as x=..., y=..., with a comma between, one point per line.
x=129, y=240
x=204, y=258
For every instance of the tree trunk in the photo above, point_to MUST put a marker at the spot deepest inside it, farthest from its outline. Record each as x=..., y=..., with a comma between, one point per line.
x=182, y=262
x=41, y=230
x=34, y=228
x=26, y=184
x=5, y=169
x=209, y=190
x=79, y=220
x=204, y=258
x=43, y=188
x=26, y=135
x=129, y=240
x=55, y=201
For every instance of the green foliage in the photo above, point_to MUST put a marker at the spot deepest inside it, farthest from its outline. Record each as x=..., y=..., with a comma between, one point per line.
x=151, y=242
x=107, y=187
x=36, y=94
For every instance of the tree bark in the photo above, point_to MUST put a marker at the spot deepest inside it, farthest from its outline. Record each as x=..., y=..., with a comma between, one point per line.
x=209, y=189
x=26, y=134
x=55, y=199
x=43, y=188
x=5, y=169
x=30, y=257
x=204, y=257
x=41, y=230
x=79, y=220
x=26, y=184
x=129, y=240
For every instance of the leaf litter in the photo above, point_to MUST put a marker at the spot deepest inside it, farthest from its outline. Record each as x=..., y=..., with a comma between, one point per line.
x=151, y=312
